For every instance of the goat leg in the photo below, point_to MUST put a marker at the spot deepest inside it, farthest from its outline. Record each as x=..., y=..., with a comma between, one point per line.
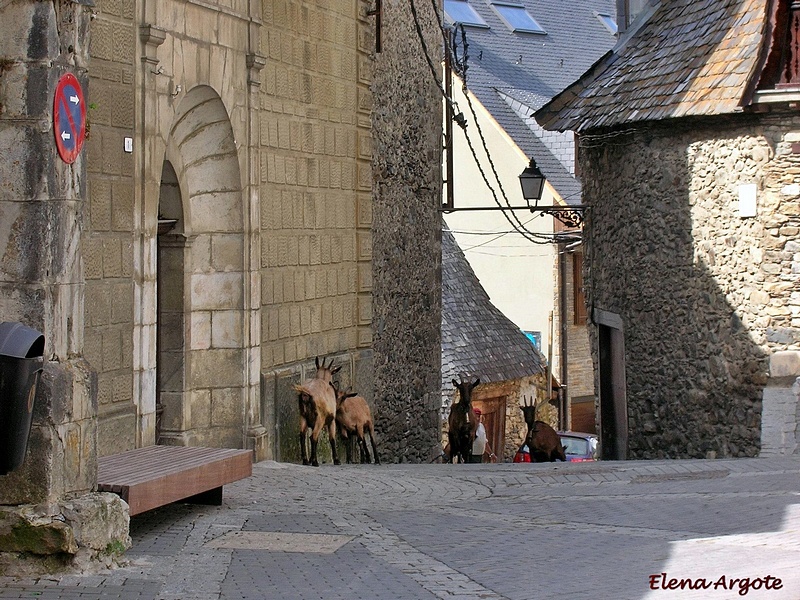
x=332, y=438
x=314, y=461
x=363, y=451
x=303, y=454
x=466, y=452
x=348, y=446
x=372, y=441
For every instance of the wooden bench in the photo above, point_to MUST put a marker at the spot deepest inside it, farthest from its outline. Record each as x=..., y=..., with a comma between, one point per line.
x=154, y=476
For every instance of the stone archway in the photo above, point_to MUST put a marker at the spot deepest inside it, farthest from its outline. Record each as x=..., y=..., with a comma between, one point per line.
x=201, y=348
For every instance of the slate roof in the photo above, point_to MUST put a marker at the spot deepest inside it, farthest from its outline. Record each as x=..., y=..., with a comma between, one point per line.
x=689, y=58
x=528, y=68
x=477, y=339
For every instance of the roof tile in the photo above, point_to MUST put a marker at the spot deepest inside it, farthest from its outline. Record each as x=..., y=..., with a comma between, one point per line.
x=692, y=57
x=478, y=339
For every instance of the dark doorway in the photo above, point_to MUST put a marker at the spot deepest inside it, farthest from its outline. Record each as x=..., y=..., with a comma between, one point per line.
x=613, y=403
x=170, y=324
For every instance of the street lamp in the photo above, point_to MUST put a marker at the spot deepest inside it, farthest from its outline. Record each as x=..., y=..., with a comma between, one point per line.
x=532, y=182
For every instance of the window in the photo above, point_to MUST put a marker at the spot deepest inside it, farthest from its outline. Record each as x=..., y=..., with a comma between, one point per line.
x=782, y=71
x=517, y=18
x=459, y=11
x=630, y=10
x=608, y=21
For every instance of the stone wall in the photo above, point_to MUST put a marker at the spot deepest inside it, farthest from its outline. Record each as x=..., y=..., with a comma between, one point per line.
x=580, y=373
x=250, y=126
x=50, y=518
x=41, y=203
x=111, y=220
x=406, y=244
x=706, y=295
x=315, y=181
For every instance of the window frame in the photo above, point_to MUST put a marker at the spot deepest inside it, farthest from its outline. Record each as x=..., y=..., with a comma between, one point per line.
x=479, y=23
x=607, y=20
x=538, y=30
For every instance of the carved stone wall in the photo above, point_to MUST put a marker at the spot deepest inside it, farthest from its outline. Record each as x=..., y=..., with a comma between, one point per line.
x=249, y=126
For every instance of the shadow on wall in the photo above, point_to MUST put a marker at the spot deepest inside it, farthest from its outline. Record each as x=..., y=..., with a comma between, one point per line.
x=670, y=255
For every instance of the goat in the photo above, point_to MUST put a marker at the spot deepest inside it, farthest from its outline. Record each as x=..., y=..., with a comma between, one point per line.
x=353, y=417
x=542, y=440
x=462, y=422
x=317, y=403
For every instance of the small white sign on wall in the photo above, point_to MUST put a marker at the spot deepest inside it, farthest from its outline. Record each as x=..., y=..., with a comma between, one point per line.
x=748, y=193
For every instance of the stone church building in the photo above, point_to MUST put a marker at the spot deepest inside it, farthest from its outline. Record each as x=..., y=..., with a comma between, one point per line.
x=257, y=186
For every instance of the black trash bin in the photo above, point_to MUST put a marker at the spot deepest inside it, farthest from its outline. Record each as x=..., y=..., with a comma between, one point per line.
x=21, y=363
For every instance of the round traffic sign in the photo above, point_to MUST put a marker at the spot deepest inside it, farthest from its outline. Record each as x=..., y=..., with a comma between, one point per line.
x=69, y=117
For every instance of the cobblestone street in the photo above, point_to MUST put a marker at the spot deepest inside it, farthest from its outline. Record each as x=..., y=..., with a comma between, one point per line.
x=504, y=531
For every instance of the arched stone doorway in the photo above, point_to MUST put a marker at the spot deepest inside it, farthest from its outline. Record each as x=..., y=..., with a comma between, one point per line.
x=201, y=346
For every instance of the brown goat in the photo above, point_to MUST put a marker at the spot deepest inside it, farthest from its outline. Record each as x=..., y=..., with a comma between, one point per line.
x=354, y=418
x=462, y=422
x=317, y=403
x=542, y=440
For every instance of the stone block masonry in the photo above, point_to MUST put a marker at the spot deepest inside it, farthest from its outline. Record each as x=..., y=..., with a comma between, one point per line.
x=110, y=217
x=49, y=516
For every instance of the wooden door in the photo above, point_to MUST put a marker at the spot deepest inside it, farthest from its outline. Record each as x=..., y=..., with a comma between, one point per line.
x=493, y=411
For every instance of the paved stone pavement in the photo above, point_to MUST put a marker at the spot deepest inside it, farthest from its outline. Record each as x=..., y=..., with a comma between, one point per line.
x=599, y=531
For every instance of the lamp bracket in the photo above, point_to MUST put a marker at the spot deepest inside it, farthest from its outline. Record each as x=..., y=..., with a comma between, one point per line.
x=571, y=216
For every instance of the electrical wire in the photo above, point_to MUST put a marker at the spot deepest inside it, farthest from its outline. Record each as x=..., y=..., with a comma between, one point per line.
x=484, y=232
x=498, y=255
x=462, y=65
x=421, y=36
x=515, y=222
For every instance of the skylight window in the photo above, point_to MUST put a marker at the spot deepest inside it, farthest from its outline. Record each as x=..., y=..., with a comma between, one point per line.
x=608, y=21
x=516, y=17
x=459, y=11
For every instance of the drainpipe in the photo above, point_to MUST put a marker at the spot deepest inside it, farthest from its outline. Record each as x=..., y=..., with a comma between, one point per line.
x=566, y=420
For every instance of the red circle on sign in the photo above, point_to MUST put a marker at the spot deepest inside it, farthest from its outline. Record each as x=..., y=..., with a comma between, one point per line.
x=69, y=117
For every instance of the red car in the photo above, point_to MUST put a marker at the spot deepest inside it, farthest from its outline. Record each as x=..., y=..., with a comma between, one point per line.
x=579, y=447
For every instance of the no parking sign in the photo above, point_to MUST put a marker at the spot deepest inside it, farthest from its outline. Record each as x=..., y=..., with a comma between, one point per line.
x=69, y=118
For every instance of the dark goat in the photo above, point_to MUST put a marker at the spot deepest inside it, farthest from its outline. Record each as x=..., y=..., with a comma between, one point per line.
x=542, y=440
x=462, y=422
x=354, y=418
x=317, y=403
